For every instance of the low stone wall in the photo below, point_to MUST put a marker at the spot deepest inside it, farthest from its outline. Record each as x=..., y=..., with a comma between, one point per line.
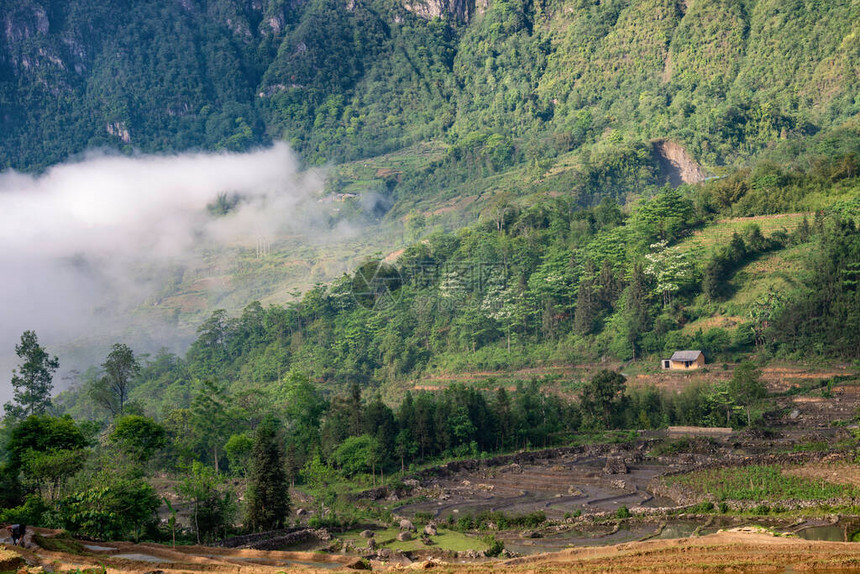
x=698, y=431
x=275, y=539
x=297, y=537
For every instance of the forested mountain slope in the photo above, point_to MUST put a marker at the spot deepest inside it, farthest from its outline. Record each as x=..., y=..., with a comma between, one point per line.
x=550, y=284
x=344, y=79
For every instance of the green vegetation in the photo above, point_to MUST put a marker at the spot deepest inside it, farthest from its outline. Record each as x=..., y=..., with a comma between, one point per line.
x=62, y=542
x=446, y=540
x=490, y=520
x=724, y=78
x=268, y=495
x=32, y=381
x=519, y=154
x=212, y=503
x=538, y=284
x=759, y=484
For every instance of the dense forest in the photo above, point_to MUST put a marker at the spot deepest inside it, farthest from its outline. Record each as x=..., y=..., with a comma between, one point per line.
x=345, y=80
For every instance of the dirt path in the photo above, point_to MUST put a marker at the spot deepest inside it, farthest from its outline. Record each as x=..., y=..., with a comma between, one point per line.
x=732, y=551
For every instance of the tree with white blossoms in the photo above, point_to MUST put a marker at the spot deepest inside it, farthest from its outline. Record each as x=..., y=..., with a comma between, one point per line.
x=452, y=287
x=504, y=304
x=671, y=269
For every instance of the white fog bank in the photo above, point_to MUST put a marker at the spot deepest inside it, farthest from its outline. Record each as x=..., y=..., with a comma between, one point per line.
x=73, y=239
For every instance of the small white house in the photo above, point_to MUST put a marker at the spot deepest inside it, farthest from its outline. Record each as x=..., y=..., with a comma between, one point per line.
x=684, y=361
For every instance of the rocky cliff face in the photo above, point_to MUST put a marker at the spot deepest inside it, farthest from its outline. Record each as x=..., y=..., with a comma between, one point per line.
x=461, y=10
x=21, y=28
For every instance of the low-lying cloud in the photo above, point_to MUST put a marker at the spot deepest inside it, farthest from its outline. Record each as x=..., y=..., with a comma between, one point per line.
x=75, y=237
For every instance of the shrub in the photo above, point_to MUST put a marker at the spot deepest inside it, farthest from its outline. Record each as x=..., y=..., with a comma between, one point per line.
x=495, y=546
x=702, y=508
x=31, y=512
x=761, y=510
x=423, y=517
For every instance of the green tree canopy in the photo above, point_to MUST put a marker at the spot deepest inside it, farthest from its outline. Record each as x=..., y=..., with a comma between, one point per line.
x=138, y=436
x=212, y=504
x=32, y=381
x=603, y=396
x=42, y=433
x=357, y=454
x=120, y=369
x=746, y=387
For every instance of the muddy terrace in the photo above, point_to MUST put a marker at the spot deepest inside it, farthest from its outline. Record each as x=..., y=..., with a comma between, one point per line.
x=595, y=480
x=580, y=491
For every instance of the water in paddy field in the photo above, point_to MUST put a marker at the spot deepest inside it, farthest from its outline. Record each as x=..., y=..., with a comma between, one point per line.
x=141, y=557
x=846, y=530
x=287, y=563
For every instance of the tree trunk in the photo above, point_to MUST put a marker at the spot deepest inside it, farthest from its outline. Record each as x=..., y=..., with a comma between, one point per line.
x=196, y=524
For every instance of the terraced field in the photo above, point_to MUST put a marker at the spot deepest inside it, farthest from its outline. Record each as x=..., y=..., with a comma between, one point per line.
x=703, y=242
x=571, y=484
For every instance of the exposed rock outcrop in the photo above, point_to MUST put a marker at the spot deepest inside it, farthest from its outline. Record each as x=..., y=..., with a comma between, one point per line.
x=615, y=465
x=462, y=10
x=676, y=164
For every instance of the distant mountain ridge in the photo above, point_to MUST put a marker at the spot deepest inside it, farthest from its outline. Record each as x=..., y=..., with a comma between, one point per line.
x=345, y=79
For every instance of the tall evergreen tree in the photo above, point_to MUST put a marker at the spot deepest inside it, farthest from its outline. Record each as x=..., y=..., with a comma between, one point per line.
x=268, y=495
x=33, y=379
x=636, y=315
x=587, y=305
x=603, y=397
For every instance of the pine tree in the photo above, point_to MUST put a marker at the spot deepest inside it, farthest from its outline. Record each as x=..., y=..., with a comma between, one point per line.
x=33, y=379
x=268, y=495
x=587, y=308
x=636, y=315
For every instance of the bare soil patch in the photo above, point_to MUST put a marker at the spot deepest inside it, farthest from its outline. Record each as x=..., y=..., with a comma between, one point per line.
x=838, y=473
x=731, y=551
x=737, y=550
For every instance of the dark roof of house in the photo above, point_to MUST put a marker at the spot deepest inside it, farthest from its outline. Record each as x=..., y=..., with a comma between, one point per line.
x=686, y=355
